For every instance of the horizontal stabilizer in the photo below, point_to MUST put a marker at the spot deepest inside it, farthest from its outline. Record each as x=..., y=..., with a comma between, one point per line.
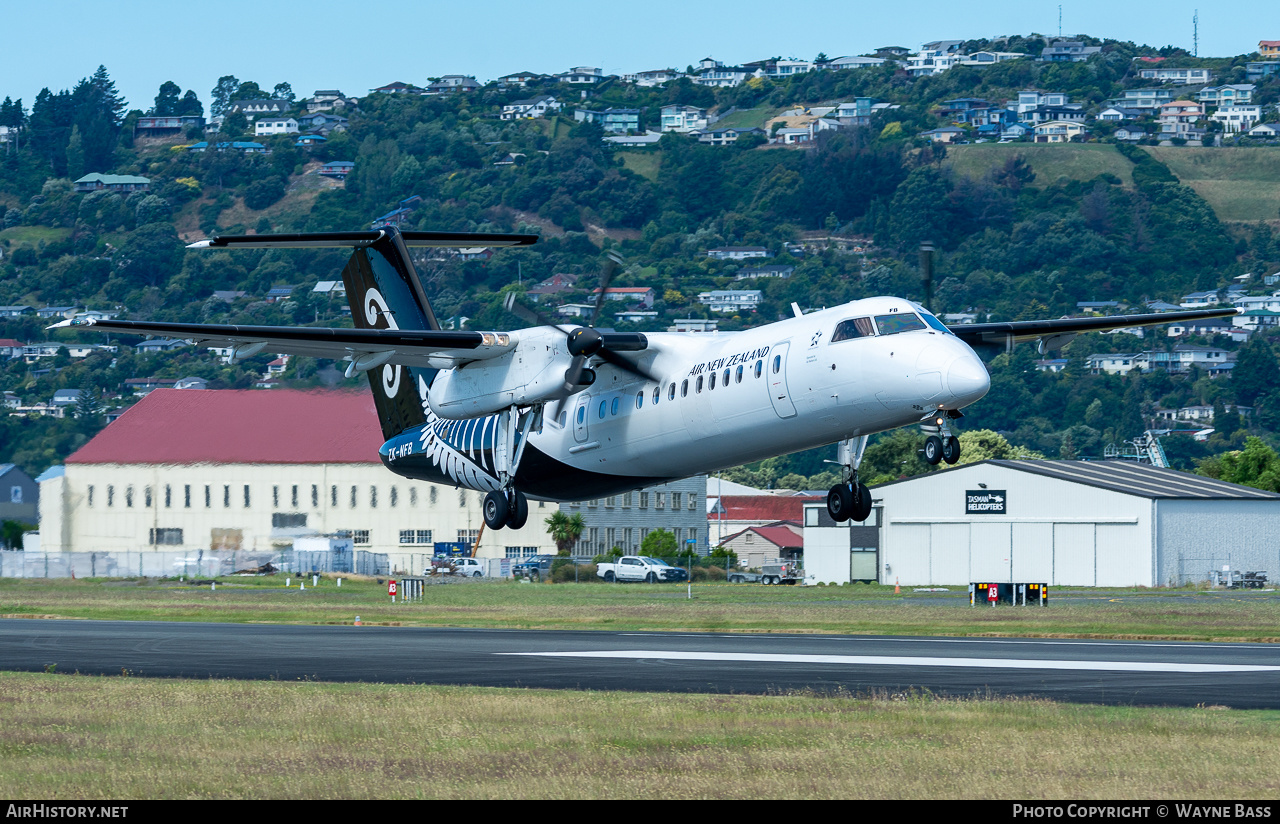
x=304, y=240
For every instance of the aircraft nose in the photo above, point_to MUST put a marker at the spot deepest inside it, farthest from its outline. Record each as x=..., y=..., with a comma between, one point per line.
x=967, y=379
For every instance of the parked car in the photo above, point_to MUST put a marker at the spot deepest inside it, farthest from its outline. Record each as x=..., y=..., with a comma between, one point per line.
x=468, y=568
x=641, y=568
x=535, y=567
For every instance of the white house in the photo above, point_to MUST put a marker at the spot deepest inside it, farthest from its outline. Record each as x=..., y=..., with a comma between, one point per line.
x=683, y=119
x=1179, y=77
x=274, y=125
x=740, y=300
x=539, y=106
x=1237, y=118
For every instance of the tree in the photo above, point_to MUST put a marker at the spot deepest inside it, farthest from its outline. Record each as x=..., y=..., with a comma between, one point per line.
x=659, y=544
x=190, y=105
x=220, y=97
x=1255, y=373
x=565, y=530
x=1257, y=465
x=167, y=101
x=283, y=91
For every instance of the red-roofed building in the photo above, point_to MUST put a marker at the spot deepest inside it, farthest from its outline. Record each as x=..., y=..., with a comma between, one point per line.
x=242, y=470
x=728, y=515
x=1269, y=48
x=757, y=545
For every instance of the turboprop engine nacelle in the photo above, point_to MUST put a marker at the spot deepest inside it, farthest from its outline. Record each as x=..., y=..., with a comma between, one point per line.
x=533, y=372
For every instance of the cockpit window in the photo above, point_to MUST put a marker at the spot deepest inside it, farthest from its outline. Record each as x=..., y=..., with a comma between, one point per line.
x=850, y=329
x=935, y=323
x=901, y=322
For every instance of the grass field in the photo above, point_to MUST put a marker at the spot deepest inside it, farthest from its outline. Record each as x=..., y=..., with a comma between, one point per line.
x=68, y=737
x=646, y=164
x=1075, y=162
x=856, y=609
x=32, y=235
x=747, y=118
x=1239, y=183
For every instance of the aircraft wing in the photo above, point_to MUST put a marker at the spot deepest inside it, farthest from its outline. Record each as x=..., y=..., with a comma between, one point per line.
x=1054, y=334
x=436, y=349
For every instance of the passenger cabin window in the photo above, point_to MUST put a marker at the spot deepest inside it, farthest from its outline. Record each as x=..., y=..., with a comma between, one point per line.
x=903, y=322
x=855, y=328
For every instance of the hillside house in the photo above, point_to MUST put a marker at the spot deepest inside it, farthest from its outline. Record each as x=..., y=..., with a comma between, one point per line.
x=327, y=100
x=683, y=119
x=765, y=272
x=1265, y=130
x=1067, y=51
x=722, y=300
x=1032, y=99
x=738, y=252
x=94, y=181
x=715, y=74
x=256, y=108
x=452, y=84
x=723, y=137
x=612, y=120
x=1118, y=113
x=946, y=134
x=655, y=77
x=1145, y=99
x=1178, y=77
x=643, y=294
x=1059, y=131
x=533, y=107
x=264, y=126
x=1269, y=48
x=581, y=75
x=337, y=169
x=519, y=79
x=152, y=126
x=245, y=146
x=1178, y=118
x=1234, y=94
x=399, y=88
x=694, y=325
x=554, y=285
x=1237, y=118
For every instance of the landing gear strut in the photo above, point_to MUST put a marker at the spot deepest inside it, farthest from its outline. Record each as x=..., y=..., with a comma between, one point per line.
x=941, y=445
x=849, y=498
x=508, y=506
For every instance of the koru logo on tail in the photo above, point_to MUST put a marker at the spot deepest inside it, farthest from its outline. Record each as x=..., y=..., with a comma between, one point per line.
x=376, y=309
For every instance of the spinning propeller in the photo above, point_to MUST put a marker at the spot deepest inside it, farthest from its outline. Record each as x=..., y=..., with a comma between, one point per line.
x=585, y=342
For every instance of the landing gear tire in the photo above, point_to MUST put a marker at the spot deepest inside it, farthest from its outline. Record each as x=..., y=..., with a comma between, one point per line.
x=840, y=503
x=933, y=450
x=951, y=449
x=861, y=505
x=496, y=510
x=518, y=513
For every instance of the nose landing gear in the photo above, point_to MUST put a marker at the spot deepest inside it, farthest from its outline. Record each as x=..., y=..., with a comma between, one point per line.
x=849, y=499
x=941, y=445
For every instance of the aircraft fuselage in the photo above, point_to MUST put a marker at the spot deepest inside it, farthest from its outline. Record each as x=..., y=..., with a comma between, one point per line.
x=723, y=400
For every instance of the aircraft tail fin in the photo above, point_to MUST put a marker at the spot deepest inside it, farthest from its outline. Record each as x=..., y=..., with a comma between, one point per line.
x=384, y=292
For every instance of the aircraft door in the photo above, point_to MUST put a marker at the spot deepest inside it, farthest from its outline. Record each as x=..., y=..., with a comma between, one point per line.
x=776, y=372
x=580, y=415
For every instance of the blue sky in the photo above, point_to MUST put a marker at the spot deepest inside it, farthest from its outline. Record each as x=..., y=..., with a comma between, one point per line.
x=327, y=44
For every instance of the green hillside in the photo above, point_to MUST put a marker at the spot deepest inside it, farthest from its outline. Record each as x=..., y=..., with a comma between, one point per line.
x=1050, y=162
x=1239, y=183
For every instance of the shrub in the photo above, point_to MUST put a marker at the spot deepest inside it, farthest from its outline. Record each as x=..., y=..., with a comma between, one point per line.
x=562, y=572
x=262, y=193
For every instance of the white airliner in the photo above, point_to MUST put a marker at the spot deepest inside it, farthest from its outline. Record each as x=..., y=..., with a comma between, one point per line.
x=564, y=414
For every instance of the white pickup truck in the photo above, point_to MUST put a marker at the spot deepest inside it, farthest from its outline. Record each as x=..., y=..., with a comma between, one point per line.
x=641, y=568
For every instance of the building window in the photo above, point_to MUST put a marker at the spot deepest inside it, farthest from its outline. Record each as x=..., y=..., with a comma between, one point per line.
x=246, y=496
x=315, y=497
x=208, y=496
x=462, y=497
x=659, y=500
x=165, y=537
x=168, y=496
x=90, y=494
x=431, y=495
x=226, y=496
x=644, y=500
x=394, y=496
x=353, y=497
x=146, y=496
x=675, y=500
x=373, y=497
x=275, y=497
x=128, y=496
x=294, y=497
x=468, y=536
x=360, y=537
x=413, y=496
x=416, y=536
x=333, y=495
x=611, y=501
x=186, y=495
x=286, y=520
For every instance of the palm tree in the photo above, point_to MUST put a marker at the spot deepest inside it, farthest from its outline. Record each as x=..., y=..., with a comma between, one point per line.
x=565, y=530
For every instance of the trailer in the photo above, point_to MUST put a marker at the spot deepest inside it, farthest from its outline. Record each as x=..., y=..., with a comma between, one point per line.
x=774, y=572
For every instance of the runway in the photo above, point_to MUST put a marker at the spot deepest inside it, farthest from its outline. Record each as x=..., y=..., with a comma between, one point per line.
x=1104, y=672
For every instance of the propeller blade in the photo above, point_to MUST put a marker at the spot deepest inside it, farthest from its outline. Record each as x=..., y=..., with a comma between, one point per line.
x=525, y=313
x=614, y=260
x=624, y=364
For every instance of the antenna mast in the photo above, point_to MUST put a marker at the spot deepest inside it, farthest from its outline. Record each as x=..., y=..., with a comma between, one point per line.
x=1059, y=20
x=1195, y=33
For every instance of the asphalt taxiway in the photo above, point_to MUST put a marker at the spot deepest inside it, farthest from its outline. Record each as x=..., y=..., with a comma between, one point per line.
x=1109, y=672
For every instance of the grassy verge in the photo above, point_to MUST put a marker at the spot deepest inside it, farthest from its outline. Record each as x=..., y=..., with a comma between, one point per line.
x=1239, y=183
x=71, y=737
x=857, y=609
x=33, y=235
x=646, y=164
x=1073, y=161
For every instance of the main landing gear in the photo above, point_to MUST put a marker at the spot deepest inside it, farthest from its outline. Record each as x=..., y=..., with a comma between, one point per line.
x=941, y=445
x=508, y=506
x=849, y=499
x=505, y=507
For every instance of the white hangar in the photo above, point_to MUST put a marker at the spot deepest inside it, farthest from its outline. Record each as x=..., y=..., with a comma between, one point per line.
x=1074, y=523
